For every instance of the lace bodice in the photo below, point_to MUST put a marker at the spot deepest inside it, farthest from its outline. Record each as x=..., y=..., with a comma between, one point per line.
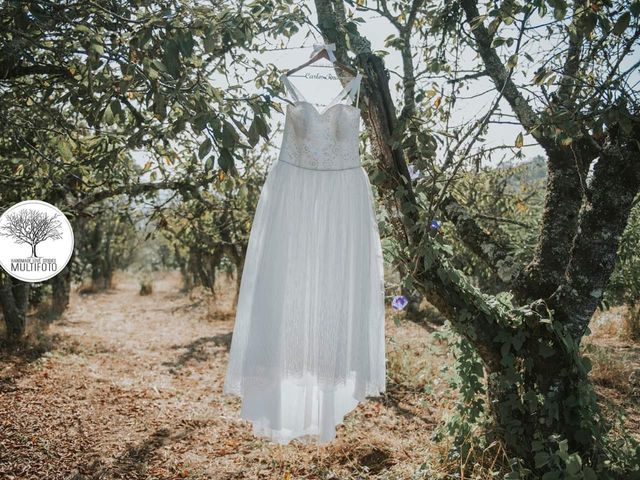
x=322, y=140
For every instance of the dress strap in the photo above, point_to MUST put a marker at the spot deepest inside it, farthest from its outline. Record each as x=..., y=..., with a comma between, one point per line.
x=291, y=89
x=351, y=90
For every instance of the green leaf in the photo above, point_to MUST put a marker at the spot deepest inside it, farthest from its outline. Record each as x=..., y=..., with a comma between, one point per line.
x=65, y=151
x=551, y=476
x=560, y=11
x=158, y=65
x=590, y=20
x=563, y=449
x=497, y=41
x=587, y=364
x=546, y=351
x=115, y=106
x=539, y=77
x=205, y=148
x=513, y=61
x=226, y=160
x=574, y=464
x=229, y=135
x=518, y=340
x=171, y=58
x=186, y=43
x=96, y=47
x=262, y=127
x=108, y=116
x=622, y=23
x=589, y=474
x=493, y=25
x=541, y=459
x=210, y=43
x=252, y=133
x=519, y=143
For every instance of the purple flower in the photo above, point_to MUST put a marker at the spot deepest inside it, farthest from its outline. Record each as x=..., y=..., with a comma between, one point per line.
x=435, y=224
x=399, y=302
x=413, y=172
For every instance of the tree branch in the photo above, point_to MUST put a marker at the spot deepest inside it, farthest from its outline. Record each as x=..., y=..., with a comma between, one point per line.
x=137, y=189
x=500, y=75
x=484, y=245
x=10, y=72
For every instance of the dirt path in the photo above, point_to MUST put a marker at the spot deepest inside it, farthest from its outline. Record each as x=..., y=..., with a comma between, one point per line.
x=131, y=388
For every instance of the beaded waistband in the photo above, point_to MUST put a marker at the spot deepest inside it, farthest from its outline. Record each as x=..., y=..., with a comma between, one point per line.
x=319, y=169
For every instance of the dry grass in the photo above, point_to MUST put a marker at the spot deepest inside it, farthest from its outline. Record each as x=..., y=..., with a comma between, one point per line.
x=616, y=366
x=477, y=464
x=129, y=386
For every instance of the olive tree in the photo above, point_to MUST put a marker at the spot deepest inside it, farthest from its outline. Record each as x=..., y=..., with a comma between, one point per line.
x=85, y=86
x=578, y=103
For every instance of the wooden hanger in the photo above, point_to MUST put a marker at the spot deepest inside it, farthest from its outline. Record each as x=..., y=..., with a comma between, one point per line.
x=323, y=51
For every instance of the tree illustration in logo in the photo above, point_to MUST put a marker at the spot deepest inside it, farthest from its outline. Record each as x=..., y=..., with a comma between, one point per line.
x=31, y=227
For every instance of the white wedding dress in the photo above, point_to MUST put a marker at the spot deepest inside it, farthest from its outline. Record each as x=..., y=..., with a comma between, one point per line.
x=308, y=340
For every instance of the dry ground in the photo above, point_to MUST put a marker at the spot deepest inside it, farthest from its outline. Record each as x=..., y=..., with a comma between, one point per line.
x=130, y=387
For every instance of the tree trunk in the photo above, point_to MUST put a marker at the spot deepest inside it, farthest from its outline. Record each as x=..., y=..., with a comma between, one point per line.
x=192, y=267
x=14, y=297
x=61, y=289
x=184, y=271
x=238, y=255
x=33, y=250
x=565, y=192
x=101, y=276
x=604, y=216
x=533, y=397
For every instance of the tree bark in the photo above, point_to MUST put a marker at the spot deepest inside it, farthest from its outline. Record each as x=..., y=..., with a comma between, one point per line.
x=559, y=225
x=61, y=289
x=489, y=249
x=604, y=216
x=184, y=270
x=101, y=276
x=237, y=255
x=14, y=297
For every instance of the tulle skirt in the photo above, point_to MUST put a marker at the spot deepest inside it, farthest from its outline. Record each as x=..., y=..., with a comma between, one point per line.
x=308, y=340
